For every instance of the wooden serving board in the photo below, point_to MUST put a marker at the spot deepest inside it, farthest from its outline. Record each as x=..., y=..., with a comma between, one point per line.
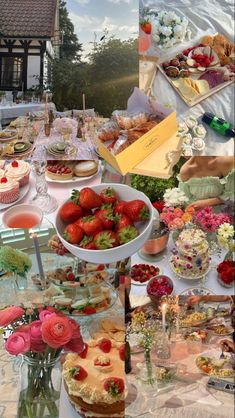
x=200, y=97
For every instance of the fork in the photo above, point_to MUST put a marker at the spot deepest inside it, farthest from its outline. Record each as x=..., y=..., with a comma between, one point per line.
x=222, y=354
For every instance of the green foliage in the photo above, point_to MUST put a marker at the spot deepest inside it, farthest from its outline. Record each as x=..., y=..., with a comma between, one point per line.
x=71, y=48
x=107, y=79
x=153, y=187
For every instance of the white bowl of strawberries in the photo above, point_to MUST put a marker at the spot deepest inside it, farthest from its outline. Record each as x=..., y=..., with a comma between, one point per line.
x=105, y=223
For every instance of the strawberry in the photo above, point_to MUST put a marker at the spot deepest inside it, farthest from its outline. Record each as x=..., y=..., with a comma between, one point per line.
x=146, y=26
x=114, y=386
x=87, y=243
x=122, y=351
x=87, y=198
x=100, y=267
x=70, y=212
x=119, y=208
x=73, y=234
x=89, y=310
x=106, y=217
x=108, y=195
x=106, y=239
x=137, y=210
x=127, y=234
x=122, y=221
x=83, y=354
x=15, y=164
x=91, y=225
x=78, y=373
x=100, y=361
x=70, y=277
x=105, y=345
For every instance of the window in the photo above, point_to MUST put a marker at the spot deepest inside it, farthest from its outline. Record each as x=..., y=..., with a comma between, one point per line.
x=21, y=238
x=11, y=72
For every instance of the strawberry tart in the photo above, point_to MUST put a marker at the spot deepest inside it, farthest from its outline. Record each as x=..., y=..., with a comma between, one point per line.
x=9, y=190
x=94, y=379
x=59, y=171
x=19, y=171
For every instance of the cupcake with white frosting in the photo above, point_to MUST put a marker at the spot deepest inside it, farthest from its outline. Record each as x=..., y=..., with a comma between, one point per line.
x=9, y=190
x=19, y=171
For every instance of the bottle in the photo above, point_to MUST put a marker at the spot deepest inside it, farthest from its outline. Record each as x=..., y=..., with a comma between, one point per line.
x=127, y=357
x=219, y=125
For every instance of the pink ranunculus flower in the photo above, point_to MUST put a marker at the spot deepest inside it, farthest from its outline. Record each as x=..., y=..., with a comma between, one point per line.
x=75, y=328
x=56, y=331
x=18, y=343
x=76, y=345
x=37, y=346
x=23, y=328
x=35, y=329
x=10, y=314
x=45, y=314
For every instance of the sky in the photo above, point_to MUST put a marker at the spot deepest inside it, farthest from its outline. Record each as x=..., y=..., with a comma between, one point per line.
x=120, y=17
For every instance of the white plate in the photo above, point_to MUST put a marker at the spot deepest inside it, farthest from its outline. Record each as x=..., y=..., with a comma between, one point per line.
x=197, y=291
x=214, y=354
x=135, y=283
x=23, y=192
x=75, y=179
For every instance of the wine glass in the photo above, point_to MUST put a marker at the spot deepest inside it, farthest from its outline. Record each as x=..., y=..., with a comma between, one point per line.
x=43, y=199
x=144, y=42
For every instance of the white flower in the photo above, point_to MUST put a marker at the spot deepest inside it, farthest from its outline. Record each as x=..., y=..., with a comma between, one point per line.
x=171, y=17
x=155, y=37
x=175, y=197
x=168, y=43
x=165, y=30
x=225, y=230
x=178, y=30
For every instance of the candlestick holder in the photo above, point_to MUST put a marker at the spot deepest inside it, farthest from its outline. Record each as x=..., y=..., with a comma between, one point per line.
x=43, y=199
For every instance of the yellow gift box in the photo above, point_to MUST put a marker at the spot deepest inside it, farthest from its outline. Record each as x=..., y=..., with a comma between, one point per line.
x=129, y=158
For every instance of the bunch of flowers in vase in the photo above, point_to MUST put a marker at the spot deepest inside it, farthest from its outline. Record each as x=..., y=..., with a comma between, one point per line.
x=17, y=263
x=146, y=331
x=226, y=269
x=175, y=197
x=65, y=127
x=39, y=335
x=210, y=221
x=176, y=218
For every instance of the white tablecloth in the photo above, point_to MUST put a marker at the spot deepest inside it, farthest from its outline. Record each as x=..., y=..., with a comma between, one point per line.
x=211, y=16
x=21, y=109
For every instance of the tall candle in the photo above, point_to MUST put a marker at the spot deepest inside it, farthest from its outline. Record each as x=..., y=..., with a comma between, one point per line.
x=38, y=256
x=164, y=309
x=83, y=103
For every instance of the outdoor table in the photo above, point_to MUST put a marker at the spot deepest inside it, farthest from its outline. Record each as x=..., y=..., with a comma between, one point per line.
x=9, y=112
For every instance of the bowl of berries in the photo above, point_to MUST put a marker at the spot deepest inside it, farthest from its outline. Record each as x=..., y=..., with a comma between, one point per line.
x=159, y=286
x=105, y=223
x=142, y=273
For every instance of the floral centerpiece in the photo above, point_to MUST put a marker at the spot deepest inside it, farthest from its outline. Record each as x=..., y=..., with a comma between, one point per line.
x=39, y=335
x=168, y=28
x=175, y=197
x=15, y=262
x=226, y=271
x=176, y=218
x=209, y=221
x=147, y=334
x=65, y=126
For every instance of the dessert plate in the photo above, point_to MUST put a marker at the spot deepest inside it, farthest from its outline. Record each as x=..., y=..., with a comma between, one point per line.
x=136, y=283
x=197, y=291
x=75, y=179
x=23, y=192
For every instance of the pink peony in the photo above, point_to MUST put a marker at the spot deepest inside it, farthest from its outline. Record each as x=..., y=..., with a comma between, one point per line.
x=45, y=314
x=56, y=331
x=9, y=315
x=18, y=343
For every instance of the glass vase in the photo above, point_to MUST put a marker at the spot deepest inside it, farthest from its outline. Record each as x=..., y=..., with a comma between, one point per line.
x=40, y=388
x=20, y=283
x=147, y=373
x=43, y=199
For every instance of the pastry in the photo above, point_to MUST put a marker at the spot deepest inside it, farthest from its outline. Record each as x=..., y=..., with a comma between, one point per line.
x=95, y=381
x=222, y=46
x=18, y=170
x=9, y=190
x=59, y=171
x=85, y=168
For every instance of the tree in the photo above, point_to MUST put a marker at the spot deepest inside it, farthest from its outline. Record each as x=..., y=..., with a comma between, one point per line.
x=70, y=48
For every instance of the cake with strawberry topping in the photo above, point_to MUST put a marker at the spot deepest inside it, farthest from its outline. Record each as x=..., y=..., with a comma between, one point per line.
x=94, y=379
x=59, y=171
x=191, y=255
x=19, y=171
x=9, y=190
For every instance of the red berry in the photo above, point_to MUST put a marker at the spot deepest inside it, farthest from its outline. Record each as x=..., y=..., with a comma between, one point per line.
x=105, y=345
x=89, y=310
x=122, y=351
x=15, y=164
x=78, y=373
x=70, y=277
x=83, y=354
x=3, y=180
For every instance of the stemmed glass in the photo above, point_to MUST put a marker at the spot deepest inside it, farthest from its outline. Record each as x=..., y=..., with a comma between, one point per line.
x=43, y=199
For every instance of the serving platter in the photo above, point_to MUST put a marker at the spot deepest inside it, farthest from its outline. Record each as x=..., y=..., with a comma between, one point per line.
x=76, y=179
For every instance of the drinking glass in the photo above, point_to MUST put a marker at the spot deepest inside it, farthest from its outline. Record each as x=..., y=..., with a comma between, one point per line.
x=43, y=199
x=144, y=42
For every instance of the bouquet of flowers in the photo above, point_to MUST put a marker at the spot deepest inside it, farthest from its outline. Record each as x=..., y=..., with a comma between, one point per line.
x=226, y=271
x=168, y=28
x=40, y=335
x=65, y=125
x=176, y=218
x=225, y=234
x=14, y=261
x=209, y=221
x=175, y=197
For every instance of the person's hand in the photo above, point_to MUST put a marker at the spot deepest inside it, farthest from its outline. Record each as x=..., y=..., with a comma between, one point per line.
x=194, y=300
x=198, y=205
x=227, y=346
x=56, y=245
